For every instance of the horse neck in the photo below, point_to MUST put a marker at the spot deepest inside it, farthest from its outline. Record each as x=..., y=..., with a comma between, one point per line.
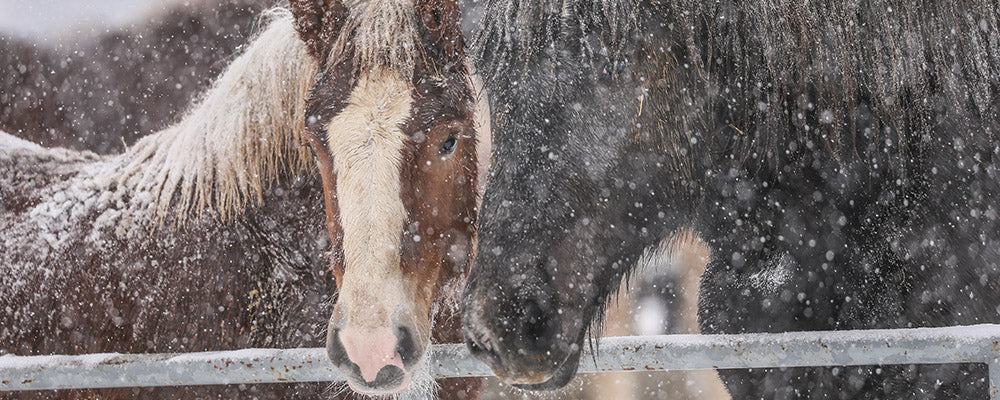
x=245, y=133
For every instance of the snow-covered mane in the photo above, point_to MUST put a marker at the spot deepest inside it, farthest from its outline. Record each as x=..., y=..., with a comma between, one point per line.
x=244, y=132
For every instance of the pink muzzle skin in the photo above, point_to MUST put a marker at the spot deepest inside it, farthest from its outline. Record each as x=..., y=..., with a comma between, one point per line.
x=371, y=350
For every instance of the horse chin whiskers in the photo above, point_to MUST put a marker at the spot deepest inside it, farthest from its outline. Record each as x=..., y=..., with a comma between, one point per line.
x=336, y=390
x=571, y=390
x=422, y=383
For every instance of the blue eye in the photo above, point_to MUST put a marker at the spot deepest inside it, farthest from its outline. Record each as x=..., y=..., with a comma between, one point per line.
x=449, y=145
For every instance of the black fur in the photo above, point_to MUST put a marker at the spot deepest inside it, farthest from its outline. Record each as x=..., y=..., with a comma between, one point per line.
x=839, y=158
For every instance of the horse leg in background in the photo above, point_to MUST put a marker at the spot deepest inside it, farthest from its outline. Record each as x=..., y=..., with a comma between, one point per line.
x=619, y=321
x=671, y=277
x=690, y=257
x=662, y=298
x=629, y=313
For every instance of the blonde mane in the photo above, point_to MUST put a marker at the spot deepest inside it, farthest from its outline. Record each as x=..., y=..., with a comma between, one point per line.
x=243, y=134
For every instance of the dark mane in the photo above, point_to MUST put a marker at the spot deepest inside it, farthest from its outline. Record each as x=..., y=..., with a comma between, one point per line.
x=515, y=34
x=769, y=67
x=773, y=61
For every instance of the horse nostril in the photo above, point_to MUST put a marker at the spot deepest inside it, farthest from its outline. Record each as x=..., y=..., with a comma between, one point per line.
x=483, y=350
x=335, y=349
x=538, y=329
x=389, y=376
x=407, y=346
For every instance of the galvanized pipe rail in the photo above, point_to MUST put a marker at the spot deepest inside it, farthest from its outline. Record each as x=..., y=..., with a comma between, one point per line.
x=968, y=344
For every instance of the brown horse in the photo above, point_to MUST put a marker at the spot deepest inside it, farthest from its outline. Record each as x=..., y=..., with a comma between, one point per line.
x=140, y=78
x=208, y=234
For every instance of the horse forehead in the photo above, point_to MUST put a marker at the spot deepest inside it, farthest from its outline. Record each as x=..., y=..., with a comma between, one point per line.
x=375, y=111
x=366, y=141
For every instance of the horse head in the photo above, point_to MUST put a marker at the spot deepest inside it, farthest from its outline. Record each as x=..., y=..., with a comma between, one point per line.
x=390, y=120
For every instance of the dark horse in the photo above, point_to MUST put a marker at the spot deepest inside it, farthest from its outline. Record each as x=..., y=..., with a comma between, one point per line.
x=210, y=234
x=839, y=158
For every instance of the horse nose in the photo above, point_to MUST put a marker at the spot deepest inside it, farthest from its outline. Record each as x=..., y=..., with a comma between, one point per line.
x=389, y=376
x=371, y=350
x=378, y=356
x=530, y=329
x=521, y=344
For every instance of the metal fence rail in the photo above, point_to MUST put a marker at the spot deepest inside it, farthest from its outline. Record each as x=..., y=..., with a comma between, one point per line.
x=968, y=344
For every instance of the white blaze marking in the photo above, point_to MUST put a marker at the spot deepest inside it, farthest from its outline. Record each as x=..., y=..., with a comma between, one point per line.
x=366, y=141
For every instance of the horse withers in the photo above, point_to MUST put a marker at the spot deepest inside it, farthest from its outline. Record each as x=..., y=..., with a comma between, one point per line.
x=839, y=159
x=120, y=238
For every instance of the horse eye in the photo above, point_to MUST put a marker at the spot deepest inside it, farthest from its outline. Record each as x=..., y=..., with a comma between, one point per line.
x=449, y=145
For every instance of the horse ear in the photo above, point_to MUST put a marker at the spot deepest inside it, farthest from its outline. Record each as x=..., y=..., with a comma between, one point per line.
x=317, y=22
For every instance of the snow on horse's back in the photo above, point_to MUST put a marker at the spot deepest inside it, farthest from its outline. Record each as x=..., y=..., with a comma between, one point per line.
x=28, y=170
x=13, y=148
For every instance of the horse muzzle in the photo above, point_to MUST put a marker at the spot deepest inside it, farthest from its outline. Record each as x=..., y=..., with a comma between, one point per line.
x=375, y=361
x=528, y=351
